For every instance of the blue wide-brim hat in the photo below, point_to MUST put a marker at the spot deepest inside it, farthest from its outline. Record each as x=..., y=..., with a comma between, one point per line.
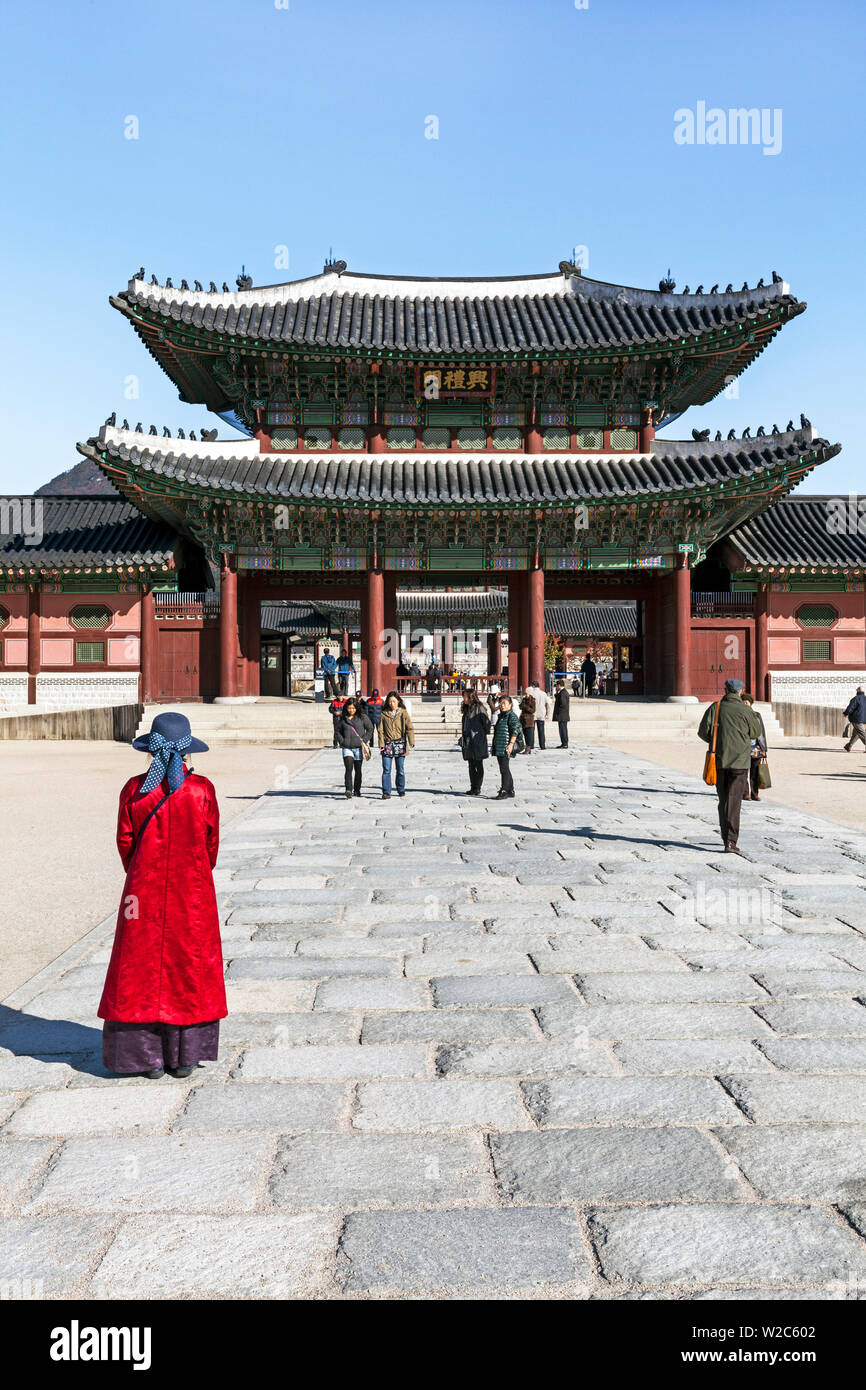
x=171, y=727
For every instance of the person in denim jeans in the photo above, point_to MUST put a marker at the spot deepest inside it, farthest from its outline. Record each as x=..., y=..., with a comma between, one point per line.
x=396, y=737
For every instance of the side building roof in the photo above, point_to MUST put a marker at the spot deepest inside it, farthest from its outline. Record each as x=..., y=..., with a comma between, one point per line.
x=805, y=531
x=63, y=534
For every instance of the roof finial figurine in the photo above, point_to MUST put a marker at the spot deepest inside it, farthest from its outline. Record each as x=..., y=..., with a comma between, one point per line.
x=225, y=288
x=732, y=434
x=747, y=432
x=745, y=287
x=718, y=436
x=789, y=426
x=184, y=285
x=761, y=431
x=140, y=275
x=777, y=279
x=180, y=434
x=112, y=419
x=153, y=280
x=714, y=289
x=192, y=434
x=125, y=425
x=213, y=288
x=667, y=285
x=166, y=432
x=700, y=435
x=699, y=290
x=196, y=284
x=805, y=422
x=686, y=290
x=152, y=429
x=775, y=429
x=244, y=281
x=138, y=429
x=729, y=289
x=760, y=284
x=208, y=434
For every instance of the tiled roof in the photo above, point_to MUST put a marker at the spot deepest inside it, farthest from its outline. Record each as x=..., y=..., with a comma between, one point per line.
x=465, y=479
x=542, y=313
x=85, y=533
x=803, y=531
x=563, y=618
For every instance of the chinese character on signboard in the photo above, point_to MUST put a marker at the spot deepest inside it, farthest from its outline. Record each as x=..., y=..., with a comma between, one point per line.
x=437, y=383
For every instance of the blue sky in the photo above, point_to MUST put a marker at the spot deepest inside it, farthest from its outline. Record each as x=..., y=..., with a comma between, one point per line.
x=304, y=127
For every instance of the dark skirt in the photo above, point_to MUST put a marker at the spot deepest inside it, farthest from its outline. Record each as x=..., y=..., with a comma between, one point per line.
x=137, y=1047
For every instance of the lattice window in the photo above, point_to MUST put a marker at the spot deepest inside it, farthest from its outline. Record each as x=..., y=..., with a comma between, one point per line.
x=590, y=439
x=317, y=437
x=4, y=617
x=623, y=439
x=817, y=615
x=89, y=652
x=816, y=651
x=90, y=615
x=284, y=439
x=472, y=437
x=351, y=439
x=400, y=437
x=508, y=437
x=556, y=439
x=436, y=438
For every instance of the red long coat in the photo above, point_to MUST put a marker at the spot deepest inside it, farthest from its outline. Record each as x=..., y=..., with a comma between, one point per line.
x=166, y=965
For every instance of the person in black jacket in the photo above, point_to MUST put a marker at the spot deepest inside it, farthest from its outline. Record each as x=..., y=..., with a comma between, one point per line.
x=353, y=731
x=561, y=712
x=473, y=739
x=589, y=670
x=856, y=716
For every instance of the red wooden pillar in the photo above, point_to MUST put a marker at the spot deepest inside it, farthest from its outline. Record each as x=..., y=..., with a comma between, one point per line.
x=448, y=648
x=534, y=444
x=344, y=642
x=514, y=625
x=228, y=630
x=647, y=431
x=34, y=641
x=762, y=646
x=391, y=654
x=252, y=622
x=372, y=631
x=682, y=630
x=149, y=684
x=523, y=654
x=535, y=625
x=494, y=653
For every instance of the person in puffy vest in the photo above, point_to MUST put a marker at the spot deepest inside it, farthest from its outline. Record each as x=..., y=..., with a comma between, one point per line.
x=329, y=671
x=375, y=704
x=505, y=738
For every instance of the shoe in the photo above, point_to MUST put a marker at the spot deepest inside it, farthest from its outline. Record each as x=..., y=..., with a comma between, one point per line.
x=756, y=798
x=155, y=1075
x=386, y=796
x=348, y=796
x=356, y=793
x=731, y=849
x=181, y=1072
x=401, y=793
x=847, y=749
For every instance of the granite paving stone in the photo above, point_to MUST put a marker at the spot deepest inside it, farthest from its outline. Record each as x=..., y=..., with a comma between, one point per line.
x=458, y=1030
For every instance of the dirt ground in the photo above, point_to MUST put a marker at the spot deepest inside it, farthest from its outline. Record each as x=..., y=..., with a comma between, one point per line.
x=59, y=801
x=812, y=773
x=58, y=809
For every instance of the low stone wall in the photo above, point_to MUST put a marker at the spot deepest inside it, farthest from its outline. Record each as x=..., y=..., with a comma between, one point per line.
x=112, y=722
x=807, y=720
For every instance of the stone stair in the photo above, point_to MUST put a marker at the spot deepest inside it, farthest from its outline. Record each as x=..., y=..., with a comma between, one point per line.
x=301, y=723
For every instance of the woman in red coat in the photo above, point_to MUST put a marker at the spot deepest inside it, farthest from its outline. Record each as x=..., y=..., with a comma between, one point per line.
x=164, y=993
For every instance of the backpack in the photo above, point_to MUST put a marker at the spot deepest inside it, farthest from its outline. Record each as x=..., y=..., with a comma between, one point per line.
x=520, y=745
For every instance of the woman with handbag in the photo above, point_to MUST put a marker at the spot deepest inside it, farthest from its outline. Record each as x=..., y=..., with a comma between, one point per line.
x=527, y=720
x=354, y=735
x=164, y=993
x=474, y=729
x=759, y=771
x=396, y=737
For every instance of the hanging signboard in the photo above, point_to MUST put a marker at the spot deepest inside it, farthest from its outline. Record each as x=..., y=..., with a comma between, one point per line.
x=461, y=381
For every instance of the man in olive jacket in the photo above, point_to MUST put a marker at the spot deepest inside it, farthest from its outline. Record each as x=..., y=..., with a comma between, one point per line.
x=738, y=725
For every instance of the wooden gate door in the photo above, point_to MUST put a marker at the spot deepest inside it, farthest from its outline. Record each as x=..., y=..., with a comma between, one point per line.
x=717, y=655
x=178, y=676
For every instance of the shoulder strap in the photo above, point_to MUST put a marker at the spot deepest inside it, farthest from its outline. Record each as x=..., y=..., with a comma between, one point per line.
x=716, y=724
x=152, y=812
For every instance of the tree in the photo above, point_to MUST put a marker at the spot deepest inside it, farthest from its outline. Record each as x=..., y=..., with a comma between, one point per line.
x=553, y=652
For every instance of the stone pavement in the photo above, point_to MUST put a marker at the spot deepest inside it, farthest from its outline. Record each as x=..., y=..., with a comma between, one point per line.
x=558, y=1046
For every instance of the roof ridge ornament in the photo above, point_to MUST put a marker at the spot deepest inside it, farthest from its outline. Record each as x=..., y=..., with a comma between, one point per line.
x=332, y=267
x=244, y=281
x=569, y=268
x=667, y=285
